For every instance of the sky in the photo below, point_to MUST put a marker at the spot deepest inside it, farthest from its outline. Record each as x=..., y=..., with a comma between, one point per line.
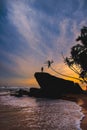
x=34, y=31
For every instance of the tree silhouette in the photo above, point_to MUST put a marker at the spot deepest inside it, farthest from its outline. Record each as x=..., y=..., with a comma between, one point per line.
x=49, y=62
x=49, y=65
x=78, y=59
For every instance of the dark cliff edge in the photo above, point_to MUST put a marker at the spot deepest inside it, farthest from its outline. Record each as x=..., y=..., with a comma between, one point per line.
x=53, y=87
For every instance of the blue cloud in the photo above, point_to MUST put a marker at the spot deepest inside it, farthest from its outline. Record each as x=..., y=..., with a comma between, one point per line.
x=32, y=31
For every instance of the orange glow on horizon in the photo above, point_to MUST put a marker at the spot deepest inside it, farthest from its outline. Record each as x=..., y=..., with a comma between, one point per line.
x=60, y=68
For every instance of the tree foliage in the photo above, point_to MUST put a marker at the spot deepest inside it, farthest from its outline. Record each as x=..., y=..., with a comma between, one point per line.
x=78, y=55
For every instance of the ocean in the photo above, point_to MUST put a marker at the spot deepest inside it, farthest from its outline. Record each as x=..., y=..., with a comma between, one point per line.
x=26, y=113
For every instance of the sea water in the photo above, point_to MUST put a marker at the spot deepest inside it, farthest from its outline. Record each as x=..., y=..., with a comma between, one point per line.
x=27, y=113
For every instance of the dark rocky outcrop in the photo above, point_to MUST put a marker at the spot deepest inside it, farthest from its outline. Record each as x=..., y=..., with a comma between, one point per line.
x=53, y=87
x=50, y=87
x=19, y=93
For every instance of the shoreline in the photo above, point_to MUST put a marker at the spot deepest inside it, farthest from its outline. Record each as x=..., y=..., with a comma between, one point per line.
x=83, y=124
x=81, y=100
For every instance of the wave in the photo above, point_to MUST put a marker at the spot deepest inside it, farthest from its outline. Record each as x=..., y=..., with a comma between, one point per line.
x=43, y=114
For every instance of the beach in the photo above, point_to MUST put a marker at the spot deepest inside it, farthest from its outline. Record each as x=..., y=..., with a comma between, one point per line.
x=26, y=113
x=84, y=110
x=81, y=100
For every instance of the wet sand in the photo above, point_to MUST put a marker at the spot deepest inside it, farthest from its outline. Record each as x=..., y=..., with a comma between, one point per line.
x=84, y=110
x=81, y=100
x=11, y=116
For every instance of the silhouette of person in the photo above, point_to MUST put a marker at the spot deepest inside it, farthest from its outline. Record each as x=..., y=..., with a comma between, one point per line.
x=42, y=69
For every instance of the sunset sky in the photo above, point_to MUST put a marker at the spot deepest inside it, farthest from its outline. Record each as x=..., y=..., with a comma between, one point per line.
x=34, y=31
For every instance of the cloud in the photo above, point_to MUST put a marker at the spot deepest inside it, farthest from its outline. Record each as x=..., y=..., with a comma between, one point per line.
x=23, y=18
x=32, y=32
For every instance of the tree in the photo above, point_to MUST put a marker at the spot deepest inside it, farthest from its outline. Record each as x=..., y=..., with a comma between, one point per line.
x=78, y=58
x=49, y=62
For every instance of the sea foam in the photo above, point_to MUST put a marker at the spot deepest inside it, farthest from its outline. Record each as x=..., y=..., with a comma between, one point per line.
x=43, y=114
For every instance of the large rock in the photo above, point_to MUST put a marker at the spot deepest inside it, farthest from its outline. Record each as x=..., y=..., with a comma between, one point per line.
x=53, y=87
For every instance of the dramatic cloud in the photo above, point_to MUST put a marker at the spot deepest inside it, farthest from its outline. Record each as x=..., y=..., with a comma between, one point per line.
x=33, y=31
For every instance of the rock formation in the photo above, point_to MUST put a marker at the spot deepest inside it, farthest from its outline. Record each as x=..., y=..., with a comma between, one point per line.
x=53, y=87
